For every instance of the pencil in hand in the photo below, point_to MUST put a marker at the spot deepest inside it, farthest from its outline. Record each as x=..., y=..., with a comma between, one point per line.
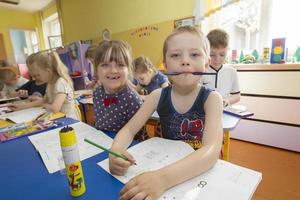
x=109, y=151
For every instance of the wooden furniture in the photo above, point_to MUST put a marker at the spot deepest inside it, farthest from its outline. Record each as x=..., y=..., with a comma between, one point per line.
x=272, y=92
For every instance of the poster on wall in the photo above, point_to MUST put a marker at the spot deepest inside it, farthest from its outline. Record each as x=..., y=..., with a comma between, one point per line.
x=188, y=21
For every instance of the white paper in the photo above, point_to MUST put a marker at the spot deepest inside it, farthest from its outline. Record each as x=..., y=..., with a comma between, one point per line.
x=224, y=181
x=25, y=115
x=48, y=145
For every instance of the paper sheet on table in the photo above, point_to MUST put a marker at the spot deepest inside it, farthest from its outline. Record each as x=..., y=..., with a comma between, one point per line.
x=25, y=115
x=48, y=145
x=224, y=181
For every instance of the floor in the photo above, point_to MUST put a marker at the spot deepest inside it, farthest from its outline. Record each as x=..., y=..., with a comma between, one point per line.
x=280, y=169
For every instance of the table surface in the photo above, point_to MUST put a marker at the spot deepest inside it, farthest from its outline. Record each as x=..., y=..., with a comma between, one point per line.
x=24, y=175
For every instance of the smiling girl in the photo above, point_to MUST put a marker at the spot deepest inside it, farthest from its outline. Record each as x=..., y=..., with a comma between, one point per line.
x=114, y=101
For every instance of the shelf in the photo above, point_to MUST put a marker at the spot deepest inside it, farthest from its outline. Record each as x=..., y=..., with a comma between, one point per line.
x=267, y=67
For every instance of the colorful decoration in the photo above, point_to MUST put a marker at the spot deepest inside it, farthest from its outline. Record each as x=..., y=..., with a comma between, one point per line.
x=234, y=59
x=297, y=54
x=266, y=54
x=277, y=52
x=242, y=56
x=144, y=31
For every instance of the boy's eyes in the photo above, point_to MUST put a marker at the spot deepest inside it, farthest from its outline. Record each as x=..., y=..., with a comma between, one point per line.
x=177, y=55
x=109, y=64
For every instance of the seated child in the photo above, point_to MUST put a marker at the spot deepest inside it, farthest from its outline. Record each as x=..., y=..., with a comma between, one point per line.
x=114, y=101
x=147, y=76
x=35, y=87
x=226, y=81
x=11, y=81
x=90, y=56
x=59, y=95
x=187, y=111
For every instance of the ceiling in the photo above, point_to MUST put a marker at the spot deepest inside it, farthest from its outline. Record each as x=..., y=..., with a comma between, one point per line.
x=26, y=5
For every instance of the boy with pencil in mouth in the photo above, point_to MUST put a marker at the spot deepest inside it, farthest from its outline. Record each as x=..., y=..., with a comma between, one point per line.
x=187, y=111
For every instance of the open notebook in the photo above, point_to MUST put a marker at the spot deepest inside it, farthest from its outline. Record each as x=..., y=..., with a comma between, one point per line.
x=224, y=181
x=25, y=115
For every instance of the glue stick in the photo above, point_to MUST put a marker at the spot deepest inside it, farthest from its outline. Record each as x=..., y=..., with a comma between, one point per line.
x=71, y=158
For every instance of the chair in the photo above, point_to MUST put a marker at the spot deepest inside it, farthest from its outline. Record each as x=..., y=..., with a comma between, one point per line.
x=78, y=112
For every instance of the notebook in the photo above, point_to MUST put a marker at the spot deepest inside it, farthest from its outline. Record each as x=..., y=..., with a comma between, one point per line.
x=222, y=182
x=238, y=110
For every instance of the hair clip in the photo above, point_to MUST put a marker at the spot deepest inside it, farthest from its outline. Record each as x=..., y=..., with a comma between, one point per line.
x=194, y=73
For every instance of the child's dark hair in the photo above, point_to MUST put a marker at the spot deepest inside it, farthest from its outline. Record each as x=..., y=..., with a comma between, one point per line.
x=143, y=64
x=218, y=38
x=90, y=52
x=113, y=50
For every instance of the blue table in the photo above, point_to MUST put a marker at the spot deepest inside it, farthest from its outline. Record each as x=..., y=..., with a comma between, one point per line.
x=24, y=176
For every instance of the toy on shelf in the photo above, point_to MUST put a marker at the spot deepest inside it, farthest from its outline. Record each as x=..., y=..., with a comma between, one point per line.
x=277, y=51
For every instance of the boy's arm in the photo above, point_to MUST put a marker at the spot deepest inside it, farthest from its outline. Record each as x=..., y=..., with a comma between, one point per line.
x=151, y=185
x=232, y=99
x=205, y=157
x=127, y=133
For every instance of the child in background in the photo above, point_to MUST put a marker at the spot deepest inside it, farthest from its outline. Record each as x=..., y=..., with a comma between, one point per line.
x=188, y=112
x=34, y=88
x=147, y=76
x=226, y=80
x=114, y=101
x=59, y=93
x=90, y=56
x=12, y=81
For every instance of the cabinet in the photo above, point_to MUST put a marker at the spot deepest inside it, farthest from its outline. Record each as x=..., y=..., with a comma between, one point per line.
x=272, y=92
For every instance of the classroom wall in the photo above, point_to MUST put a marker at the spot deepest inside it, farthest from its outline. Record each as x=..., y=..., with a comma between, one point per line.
x=49, y=10
x=87, y=19
x=10, y=19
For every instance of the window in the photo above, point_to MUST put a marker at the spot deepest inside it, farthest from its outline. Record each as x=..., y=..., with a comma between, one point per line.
x=252, y=24
x=52, y=32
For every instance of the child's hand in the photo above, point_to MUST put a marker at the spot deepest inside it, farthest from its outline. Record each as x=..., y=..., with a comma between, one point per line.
x=226, y=103
x=23, y=93
x=15, y=107
x=119, y=166
x=149, y=185
x=35, y=98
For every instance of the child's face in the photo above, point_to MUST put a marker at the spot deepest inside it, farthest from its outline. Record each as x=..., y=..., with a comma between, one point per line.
x=112, y=75
x=11, y=82
x=41, y=75
x=144, y=78
x=34, y=75
x=185, y=54
x=218, y=56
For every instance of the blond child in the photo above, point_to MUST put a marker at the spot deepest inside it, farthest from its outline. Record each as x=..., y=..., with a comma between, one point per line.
x=12, y=81
x=188, y=112
x=226, y=80
x=114, y=101
x=34, y=88
x=147, y=76
x=59, y=93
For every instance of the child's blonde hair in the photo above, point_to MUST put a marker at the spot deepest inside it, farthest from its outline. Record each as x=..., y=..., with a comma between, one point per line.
x=8, y=73
x=120, y=52
x=218, y=38
x=30, y=59
x=143, y=64
x=50, y=60
x=187, y=29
